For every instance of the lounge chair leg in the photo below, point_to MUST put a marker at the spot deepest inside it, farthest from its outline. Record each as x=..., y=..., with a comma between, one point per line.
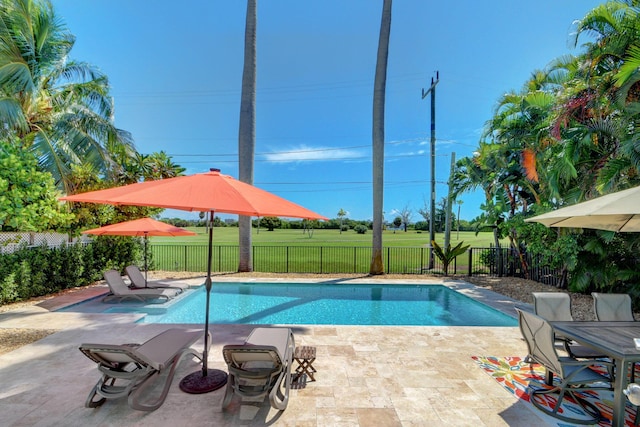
x=134, y=397
x=277, y=398
x=228, y=393
x=90, y=403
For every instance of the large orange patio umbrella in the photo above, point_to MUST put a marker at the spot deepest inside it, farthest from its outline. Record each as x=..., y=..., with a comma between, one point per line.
x=143, y=227
x=205, y=192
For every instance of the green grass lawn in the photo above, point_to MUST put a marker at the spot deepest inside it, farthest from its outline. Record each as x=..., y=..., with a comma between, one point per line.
x=229, y=236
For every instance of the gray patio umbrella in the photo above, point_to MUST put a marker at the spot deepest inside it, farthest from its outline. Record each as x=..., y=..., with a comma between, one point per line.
x=619, y=211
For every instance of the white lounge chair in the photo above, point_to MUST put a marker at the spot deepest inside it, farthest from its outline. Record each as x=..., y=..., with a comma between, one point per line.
x=127, y=370
x=261, y=366
x=138, y=281
x=120, y=291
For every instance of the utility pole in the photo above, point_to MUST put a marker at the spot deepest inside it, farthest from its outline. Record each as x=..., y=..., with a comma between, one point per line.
x=447, y=226
x=432, y=91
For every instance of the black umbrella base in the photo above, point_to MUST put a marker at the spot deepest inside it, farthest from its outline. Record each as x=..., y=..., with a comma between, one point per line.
x=196, y=383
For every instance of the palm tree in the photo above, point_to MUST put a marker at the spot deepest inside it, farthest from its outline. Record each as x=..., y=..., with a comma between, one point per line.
x=59, y=109
x=579, y=120
x=379, y=91
x=247, y=132
x=129, y=168
x=614, y=26
x=160, y=166
x=341, y=214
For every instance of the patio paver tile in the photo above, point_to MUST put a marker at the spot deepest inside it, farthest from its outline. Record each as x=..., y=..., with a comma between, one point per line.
x=367, y=376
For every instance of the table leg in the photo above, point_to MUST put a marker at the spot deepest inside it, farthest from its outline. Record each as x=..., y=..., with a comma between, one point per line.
x=622, y=369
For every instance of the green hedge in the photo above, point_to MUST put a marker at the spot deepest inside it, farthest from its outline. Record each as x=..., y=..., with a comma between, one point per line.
x=36, y=271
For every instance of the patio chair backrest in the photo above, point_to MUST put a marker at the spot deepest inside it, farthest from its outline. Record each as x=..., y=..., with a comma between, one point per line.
x=248, y=356
x=111, y=355
x=115, y=282
x=134, y=273
x=539, y=336
x=612, y=307
x=553, y=306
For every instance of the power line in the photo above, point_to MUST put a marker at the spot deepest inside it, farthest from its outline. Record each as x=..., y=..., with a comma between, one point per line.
x=364, y=187
x=309, y=150
x=347, y=84
x=341, y=182
x=308, y=159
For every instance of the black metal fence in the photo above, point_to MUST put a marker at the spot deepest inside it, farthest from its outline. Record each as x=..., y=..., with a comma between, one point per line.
x=329, y=259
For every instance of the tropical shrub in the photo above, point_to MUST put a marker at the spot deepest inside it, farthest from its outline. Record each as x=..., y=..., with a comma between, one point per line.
x=360, y=229
x=36, y=271
x=8, y=289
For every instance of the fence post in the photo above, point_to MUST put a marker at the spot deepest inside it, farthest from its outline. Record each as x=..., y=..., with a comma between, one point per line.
x=470, y=260
x=185, y=258
x=388, y=260
x=355, y=260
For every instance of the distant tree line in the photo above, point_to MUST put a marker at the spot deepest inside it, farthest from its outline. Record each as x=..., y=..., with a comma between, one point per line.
x=344, y=224
x=273, y=223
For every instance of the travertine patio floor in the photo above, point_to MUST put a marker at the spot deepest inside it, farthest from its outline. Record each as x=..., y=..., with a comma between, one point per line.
x=367, y=375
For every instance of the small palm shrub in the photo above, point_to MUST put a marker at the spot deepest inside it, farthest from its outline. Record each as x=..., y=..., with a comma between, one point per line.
x=447, y=255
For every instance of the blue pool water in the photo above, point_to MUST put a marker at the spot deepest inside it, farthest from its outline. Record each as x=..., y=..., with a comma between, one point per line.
x=320, y=304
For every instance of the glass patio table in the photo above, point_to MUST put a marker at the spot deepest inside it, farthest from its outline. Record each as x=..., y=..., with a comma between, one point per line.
x=615, y=339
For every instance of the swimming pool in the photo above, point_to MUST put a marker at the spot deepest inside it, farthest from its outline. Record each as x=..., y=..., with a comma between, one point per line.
x=322, y=304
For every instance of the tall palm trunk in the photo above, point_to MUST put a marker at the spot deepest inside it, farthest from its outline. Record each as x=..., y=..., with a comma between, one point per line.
x=247, y=131
x=379, y=90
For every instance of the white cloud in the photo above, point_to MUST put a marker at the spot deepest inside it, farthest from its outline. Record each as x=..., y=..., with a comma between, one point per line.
x=305, y=153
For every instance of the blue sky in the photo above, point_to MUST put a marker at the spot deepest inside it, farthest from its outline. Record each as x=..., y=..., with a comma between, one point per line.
x=175, y=69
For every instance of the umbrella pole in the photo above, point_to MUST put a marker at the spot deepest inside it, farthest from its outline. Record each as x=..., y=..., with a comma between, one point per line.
x=145, y=259
x=209, y=379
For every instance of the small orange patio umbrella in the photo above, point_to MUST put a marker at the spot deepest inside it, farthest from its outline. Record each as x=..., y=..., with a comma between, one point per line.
x=204, y=192
x=143, y=227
